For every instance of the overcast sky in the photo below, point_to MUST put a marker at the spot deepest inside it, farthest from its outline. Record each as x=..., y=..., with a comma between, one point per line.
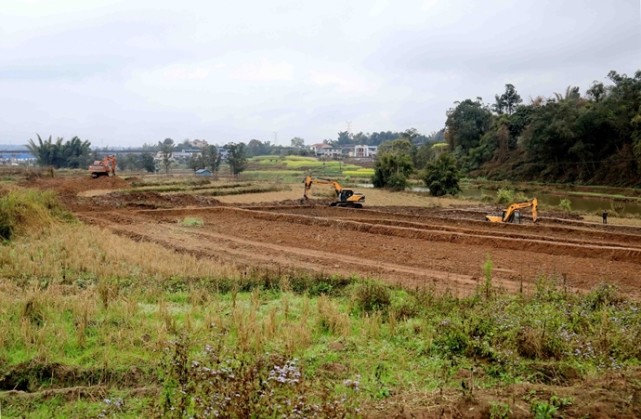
x=128, y=72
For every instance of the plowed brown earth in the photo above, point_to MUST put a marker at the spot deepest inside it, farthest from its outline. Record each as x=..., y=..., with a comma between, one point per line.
x=416, y=247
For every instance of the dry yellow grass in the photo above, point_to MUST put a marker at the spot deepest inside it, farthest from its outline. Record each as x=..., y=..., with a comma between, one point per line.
x=71, y=252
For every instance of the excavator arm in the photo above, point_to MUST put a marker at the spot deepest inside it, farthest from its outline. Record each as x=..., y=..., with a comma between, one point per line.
x=344, y=197
x=309, y=181
x=508, y=213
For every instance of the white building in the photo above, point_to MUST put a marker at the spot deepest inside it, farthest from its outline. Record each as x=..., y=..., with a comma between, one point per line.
x=365, y=151
x=325, y=150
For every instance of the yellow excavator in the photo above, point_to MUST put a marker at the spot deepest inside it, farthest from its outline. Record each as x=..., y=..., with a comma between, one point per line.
x=344, y=197
x=508, y=215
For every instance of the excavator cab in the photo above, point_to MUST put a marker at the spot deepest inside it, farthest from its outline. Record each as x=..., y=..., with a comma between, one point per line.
x=345, y=194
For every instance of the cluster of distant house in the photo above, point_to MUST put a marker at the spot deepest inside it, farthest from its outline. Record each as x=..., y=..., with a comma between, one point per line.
x=16, y=157
x=322, y=150
x=353, y=151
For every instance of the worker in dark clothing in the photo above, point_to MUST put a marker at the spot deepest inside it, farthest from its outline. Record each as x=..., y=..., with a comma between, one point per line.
x=605, y=216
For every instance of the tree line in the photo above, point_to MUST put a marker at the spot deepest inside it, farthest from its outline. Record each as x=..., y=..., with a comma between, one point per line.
x=76, y=153
x=569, y=137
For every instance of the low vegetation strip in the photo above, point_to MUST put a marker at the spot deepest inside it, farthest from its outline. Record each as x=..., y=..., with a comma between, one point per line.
x=272, y=343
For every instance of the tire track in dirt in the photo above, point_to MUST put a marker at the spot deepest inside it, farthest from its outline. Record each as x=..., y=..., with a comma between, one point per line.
x=472, y=238
x=624, y=242
x=578, y=232
x=232, y=235
x=249, y=252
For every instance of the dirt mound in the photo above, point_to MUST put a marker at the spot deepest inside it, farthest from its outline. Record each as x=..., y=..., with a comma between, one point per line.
x=142, y=200
x=71, y=186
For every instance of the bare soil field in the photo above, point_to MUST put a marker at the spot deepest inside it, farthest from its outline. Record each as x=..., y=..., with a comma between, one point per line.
x=443, y=248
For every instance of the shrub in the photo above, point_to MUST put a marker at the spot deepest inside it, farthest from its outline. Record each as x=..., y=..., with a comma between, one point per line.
x=565, y=205
x=372, y=296
x=442, y=175
x=397, y=182
x=504, y=196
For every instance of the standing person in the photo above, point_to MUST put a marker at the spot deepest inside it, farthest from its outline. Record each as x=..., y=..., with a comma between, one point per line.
x=605, y=216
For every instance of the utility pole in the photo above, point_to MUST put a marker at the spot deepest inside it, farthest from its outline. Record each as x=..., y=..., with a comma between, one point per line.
x=275, y=137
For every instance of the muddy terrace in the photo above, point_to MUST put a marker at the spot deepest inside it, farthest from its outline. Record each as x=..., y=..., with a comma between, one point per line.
x=410, y=245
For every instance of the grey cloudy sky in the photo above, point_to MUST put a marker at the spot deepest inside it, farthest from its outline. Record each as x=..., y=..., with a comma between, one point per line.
x=126, y=72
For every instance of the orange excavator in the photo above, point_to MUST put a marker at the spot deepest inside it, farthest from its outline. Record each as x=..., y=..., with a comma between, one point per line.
x=104, y=167
x=344, y=197
x=509, y=213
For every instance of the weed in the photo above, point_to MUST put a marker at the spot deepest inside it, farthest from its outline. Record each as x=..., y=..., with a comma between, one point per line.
x=499, y=410
x=192, y=222
x=222, y=384
x=504, y=196
x=543, y=410
x=33, y=311
x=603, y=295
x=565, y=205
x=371, y=296
x=488, y=267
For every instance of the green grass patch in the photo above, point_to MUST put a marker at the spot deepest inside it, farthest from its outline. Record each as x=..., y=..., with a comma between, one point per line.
x=361, y=172
x=318, y=338
x=192, y=222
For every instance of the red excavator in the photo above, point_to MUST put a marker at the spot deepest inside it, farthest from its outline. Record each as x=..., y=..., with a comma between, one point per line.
x=104, y=167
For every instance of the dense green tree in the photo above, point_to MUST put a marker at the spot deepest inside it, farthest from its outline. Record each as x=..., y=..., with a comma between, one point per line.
x=344, y=138
x=297, y=142
x=147, y=162
x=565, y=138
x=236, y=157
x=394, y=164
x=166, y=148
x=442, y=176
x=74, y=153
x=466, y=124
x=508, y=101
x=259, y=148
x=212, y=158
x=399, y=146
x=596, y=92
x=392, y=171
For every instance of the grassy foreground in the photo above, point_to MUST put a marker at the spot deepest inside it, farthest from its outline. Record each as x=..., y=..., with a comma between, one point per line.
x=96, y=325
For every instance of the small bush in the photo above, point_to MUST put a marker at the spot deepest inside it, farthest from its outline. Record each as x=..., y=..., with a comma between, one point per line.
x=372, y=296
x=442, y=176
x=603, y=295
x=504, y=196
x=565, y=205
x=451, y=339
x=500, y=410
